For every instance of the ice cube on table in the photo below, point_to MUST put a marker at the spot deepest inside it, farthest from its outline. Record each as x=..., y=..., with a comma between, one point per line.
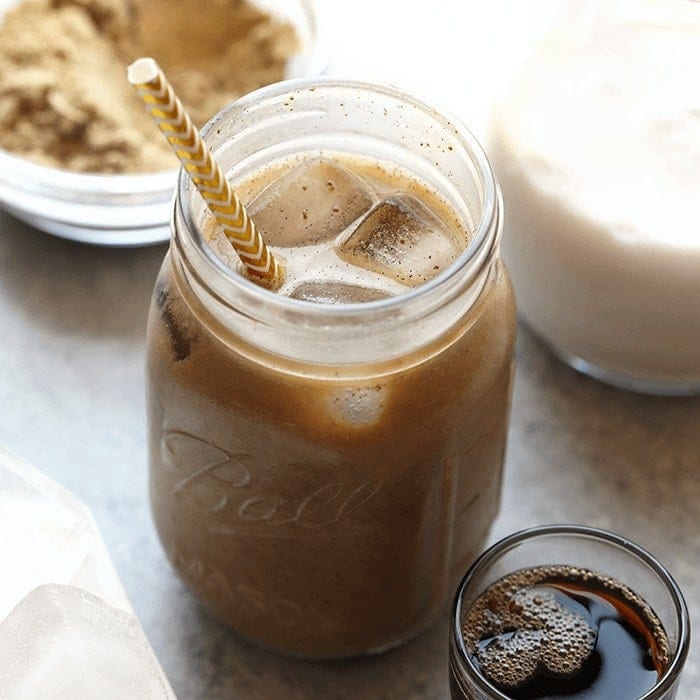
x=329, y=292
x=61, y=642
x=401, y=239
x=50, y=536
x=309, y=204
x=56, y=640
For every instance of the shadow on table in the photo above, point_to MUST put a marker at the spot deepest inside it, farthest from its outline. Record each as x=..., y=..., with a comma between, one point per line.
x=76, y=288
x=636, y=458
x=213, y=663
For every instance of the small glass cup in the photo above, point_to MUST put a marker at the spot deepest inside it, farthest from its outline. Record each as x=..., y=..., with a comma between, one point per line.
x=578, y=546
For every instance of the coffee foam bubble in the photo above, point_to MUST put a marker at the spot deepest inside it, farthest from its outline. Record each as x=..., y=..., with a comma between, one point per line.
x=517, y=629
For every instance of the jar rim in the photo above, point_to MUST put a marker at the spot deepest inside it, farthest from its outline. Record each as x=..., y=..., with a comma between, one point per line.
x=480, y=247
x=504, y=545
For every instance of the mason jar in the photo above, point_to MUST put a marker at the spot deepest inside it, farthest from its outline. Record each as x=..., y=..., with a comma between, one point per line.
x=320, y=475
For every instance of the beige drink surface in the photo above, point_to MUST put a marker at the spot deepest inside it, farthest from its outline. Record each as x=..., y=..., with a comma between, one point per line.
x=336, y=218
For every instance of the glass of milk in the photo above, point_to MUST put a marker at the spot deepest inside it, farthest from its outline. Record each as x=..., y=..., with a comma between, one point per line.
x=597, y=148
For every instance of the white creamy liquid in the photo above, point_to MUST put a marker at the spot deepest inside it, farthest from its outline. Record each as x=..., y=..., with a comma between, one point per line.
x=597, y=148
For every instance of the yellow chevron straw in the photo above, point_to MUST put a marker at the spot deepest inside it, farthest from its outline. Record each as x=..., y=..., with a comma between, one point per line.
x=172, y=119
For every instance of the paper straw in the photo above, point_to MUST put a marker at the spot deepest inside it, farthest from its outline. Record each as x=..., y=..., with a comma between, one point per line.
x=196, y=158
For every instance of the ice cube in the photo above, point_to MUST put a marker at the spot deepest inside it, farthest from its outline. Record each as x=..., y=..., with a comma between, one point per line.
x=311, y=203
x=61, y=642
x=401, y=239
x=58, y=640
x=223, y=248
x=328, y=292
x=54, y=539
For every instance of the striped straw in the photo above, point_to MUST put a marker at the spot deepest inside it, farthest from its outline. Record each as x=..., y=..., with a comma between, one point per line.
x=196, y=158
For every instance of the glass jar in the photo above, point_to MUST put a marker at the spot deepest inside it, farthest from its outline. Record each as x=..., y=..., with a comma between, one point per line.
x=585, y=548
x=597, y=148
x=319, y=475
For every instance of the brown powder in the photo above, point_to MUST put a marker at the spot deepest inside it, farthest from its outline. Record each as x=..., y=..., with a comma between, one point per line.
x=64, y=98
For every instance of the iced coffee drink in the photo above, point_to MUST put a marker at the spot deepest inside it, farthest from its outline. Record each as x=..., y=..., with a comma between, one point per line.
x=526, y=625
x=326, y=458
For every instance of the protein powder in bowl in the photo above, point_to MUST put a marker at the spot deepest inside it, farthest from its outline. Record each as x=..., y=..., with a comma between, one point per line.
x=77, y=157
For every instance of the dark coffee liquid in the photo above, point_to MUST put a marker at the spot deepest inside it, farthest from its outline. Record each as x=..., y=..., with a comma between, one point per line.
x=559, y=631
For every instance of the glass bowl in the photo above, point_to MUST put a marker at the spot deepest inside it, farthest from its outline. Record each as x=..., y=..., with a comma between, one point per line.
x=126, y=210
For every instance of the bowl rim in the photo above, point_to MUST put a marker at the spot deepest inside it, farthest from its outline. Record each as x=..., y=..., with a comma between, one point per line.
x=26, y=175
